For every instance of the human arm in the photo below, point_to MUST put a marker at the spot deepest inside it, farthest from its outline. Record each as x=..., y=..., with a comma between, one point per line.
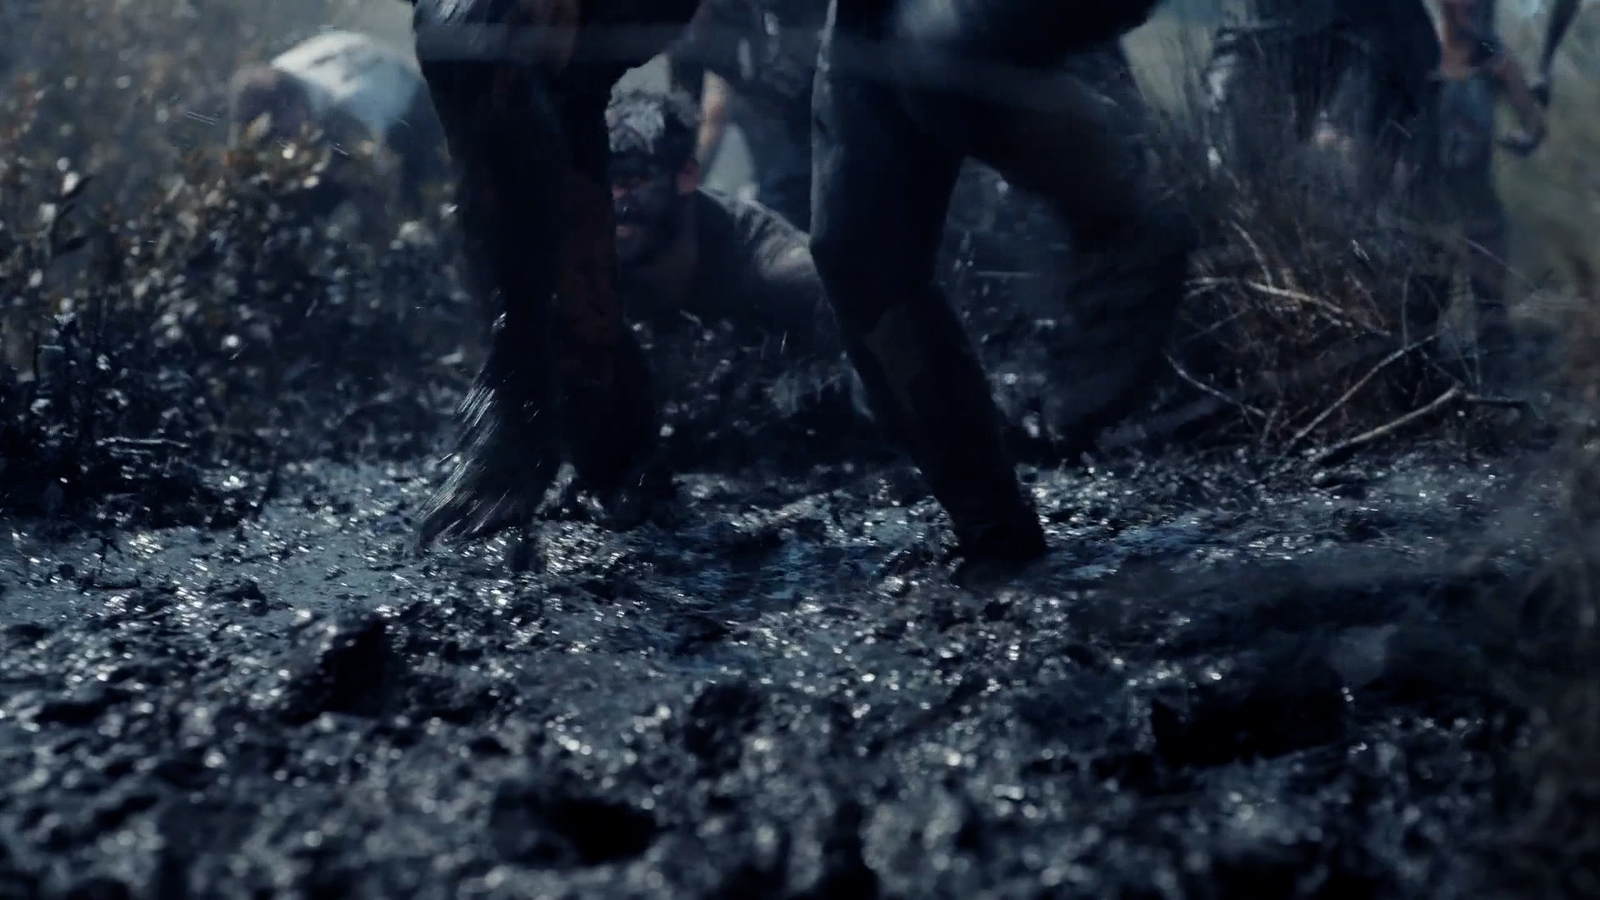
x=1530, y=114
x=713, y=119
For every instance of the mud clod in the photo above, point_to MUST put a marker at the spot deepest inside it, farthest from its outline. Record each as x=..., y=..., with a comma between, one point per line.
x=546, y=826
x=348, y=668
x=1261, y=712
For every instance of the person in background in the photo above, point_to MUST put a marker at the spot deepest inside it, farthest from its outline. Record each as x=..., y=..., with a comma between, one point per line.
x=1562, y=14
x=683, y=249
x=1351, y=74
x=353, y=90
x=1458, y=177
x=756, y=61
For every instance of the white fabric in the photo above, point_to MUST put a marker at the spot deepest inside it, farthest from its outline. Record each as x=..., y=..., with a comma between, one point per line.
x=356, y=74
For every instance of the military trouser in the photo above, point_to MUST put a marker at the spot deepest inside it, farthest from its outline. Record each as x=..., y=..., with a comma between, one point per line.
x=564, y=374
x=887, y=153
x=1465, y=201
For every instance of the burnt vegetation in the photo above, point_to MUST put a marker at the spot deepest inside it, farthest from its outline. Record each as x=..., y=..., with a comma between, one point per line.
x=186, y=339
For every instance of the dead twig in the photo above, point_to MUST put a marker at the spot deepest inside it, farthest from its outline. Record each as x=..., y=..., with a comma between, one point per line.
x=1334, y=312
x=1211, y=391
x=1506, y=402
x=1344, y=448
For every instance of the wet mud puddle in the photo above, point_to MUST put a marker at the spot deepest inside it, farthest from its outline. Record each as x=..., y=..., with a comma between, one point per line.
x=1209, y=690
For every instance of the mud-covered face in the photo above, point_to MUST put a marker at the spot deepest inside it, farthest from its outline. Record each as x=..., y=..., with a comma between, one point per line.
x=649, y=206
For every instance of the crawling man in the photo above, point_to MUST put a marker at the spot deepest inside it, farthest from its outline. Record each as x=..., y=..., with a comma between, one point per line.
x=695, y=263
x=354, y=90
x=685, y=253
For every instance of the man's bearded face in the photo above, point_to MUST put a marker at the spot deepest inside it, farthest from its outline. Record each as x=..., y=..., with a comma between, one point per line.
x=649, y=211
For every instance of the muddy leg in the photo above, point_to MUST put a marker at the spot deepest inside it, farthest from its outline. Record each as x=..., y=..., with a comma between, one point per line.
x=504, y=134
x=882, y=191
x=531, y=153
x=1236, y=101
x=1083, y=154
x=607, y=405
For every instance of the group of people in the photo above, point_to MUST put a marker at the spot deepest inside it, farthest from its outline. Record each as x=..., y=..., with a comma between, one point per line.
x=583, y=208
x=1415, y=103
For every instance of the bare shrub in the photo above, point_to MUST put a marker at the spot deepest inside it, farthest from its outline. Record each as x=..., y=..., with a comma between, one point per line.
x=225, y=319
x=1314, y=302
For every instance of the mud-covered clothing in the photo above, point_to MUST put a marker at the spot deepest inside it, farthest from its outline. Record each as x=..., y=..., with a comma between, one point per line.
x=898, y=112
x=752, y=347
x=766, y=50
x=754, y=274
x=1363, y=63
x=565, y=376
x=1459, y=186
x=360, y=89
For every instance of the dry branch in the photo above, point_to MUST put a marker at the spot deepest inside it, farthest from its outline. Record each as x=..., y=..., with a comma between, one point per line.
x=1344, y=448
x=1354, y=389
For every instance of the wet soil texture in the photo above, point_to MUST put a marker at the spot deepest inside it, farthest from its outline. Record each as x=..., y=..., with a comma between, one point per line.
x=1211, y=689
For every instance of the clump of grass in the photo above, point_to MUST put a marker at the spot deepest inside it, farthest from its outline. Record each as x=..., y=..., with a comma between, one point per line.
x=1313, y=311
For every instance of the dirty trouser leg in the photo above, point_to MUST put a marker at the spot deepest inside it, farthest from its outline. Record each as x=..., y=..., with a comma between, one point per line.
x=1248, y=98
x=882, y=190
x=954, y=34
x=535, y=208
x=607, y=402
x=1083, y=152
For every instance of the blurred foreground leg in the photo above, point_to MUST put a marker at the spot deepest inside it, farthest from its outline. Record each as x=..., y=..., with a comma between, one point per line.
x=536, y=211
x=882, y=191
x=1083, y=150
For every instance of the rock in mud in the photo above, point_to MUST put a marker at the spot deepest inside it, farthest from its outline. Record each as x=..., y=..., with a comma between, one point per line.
x=548, y=826
x=349, y=668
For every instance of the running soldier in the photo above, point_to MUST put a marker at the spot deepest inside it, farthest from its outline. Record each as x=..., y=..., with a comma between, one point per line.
x=351, y=88
x=759, y=59
x=1458, y=179
x=907, y=89
x=1310, y=69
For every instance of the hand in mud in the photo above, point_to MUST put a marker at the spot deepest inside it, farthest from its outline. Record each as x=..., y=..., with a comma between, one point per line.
x=1522, y=142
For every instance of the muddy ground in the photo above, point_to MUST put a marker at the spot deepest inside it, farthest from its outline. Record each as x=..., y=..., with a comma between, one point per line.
x=1211, y=689
x=225, y=673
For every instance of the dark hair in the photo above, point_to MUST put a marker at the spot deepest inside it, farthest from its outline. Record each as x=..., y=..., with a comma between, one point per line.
x=263, y=90
x=652, y=130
